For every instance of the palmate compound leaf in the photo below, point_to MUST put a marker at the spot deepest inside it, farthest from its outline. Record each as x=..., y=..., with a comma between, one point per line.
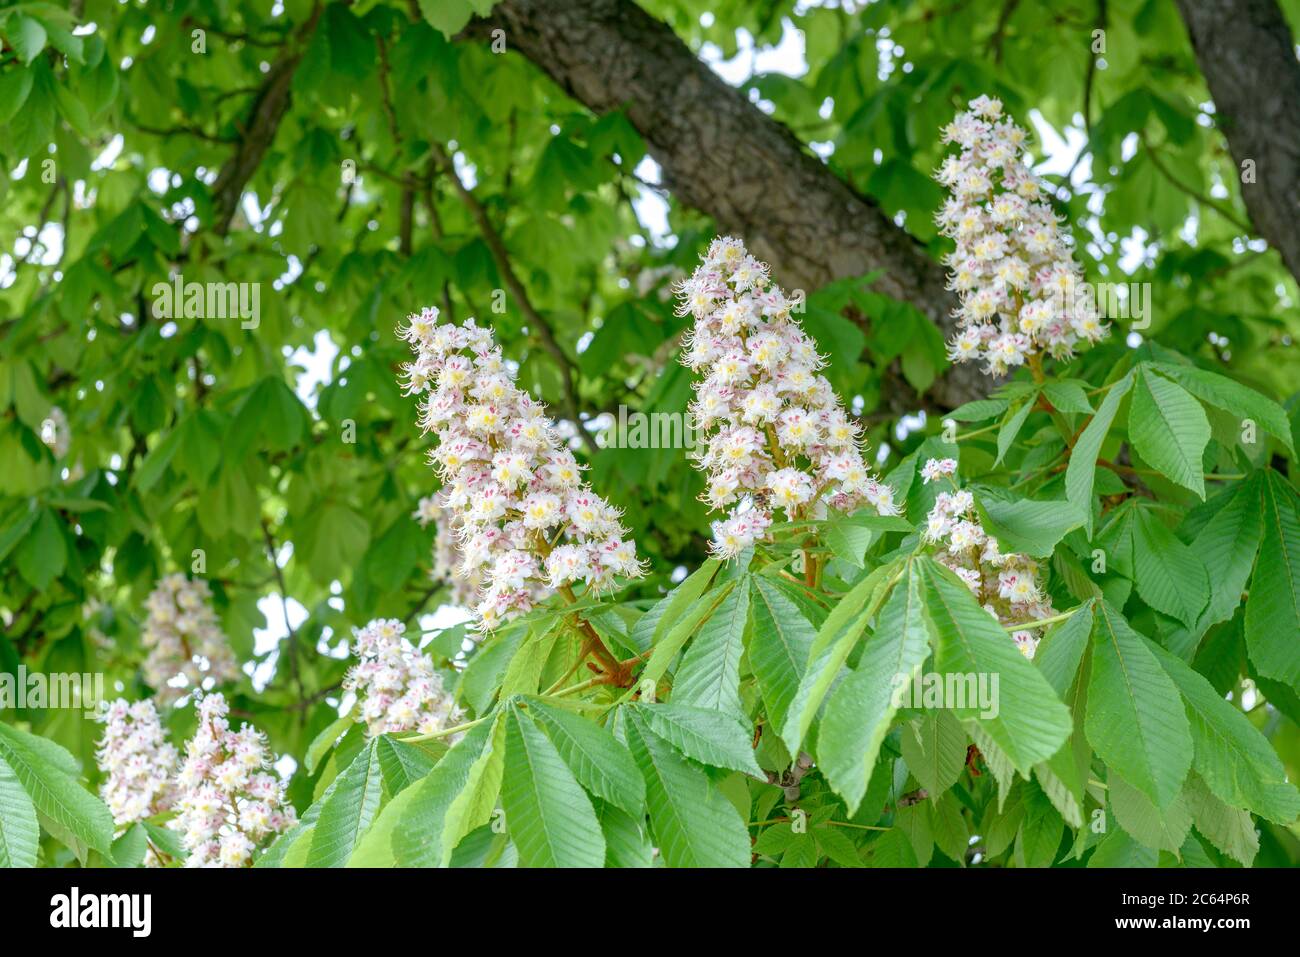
x=417, y=835
x=548, y=814
x=830, y=648
x=1028, y=721
x=47, y=773
x=694, y=825
x=863, y=705
x=779, y=644
x=600, y=762
x=1232, y=758
x=1136, y=721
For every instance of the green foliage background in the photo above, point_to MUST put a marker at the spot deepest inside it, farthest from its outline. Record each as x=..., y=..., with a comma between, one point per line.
x=194, y=434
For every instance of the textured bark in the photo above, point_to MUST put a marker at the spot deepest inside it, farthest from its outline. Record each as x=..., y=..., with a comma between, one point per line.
x=722, y=155
x=1249, y=61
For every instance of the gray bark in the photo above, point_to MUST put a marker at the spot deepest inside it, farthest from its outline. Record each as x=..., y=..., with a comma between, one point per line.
x=1248, y=58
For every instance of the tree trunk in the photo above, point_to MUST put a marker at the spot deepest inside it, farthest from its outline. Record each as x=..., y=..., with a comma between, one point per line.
x=1249, y=61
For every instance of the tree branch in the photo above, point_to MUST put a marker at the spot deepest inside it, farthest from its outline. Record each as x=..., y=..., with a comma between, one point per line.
x=721, y=154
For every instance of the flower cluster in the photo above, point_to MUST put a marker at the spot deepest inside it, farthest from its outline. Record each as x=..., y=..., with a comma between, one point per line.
x=136, y=760
x=228, y=802
x=524, y=518
x=1022, y=293
x=1006, y=585
x=775, y=433
x=395, y=684
x=184, y=638
x=463, y=589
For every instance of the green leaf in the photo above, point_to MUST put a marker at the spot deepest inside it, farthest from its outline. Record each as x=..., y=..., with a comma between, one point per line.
x=348, y=811
x=694, y=825
x=1026, y=526
x=601, y=764
x=1168, y=428
x=934, y=747
x=1230, y=755
x=1228, y=544
x=1163, y=829
x=862, y=707
x=1012, y=424
x=709, y=675
x=710, y=737
x=43, y=555
x=43, y=769
x=1040, y=830
x=1231, y=395
x=27, y=36
x=1229, y=829
x=667, y=647
x=474, y=805
x=1068, y=395
x=1081, y=471
x=417, y=835
x=779, y=646
x=19, y=832
x=1030, y=723
x=321, y=744
x=1273, y=608
x=626, y=842
x=1168, y=574
x=15, y=85
x=131, y=846
x=829, y=650
x=651, y=627
x=551, y=820
x=1136, y=722
x=1062, y=648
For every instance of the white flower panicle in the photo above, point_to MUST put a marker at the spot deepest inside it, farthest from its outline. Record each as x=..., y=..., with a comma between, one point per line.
x=463, y=589
x=396, y=686
x=524, y=519
x=1005, y=584
x=137, y=762
x=184, y=637
x=776, y=434
x=1022, y=294
x=228, y=803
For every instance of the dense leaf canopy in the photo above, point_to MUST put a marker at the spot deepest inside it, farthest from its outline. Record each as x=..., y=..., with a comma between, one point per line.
x=339, y=165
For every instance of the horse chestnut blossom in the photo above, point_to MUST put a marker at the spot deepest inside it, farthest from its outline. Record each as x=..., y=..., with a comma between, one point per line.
x=1022, y=294
x=446, y=552
x=1005, y=584
x=775, y=433
x=184, y=638
x=395, y=684
x=524, y=519
x=137, y=762
x=228, y=802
